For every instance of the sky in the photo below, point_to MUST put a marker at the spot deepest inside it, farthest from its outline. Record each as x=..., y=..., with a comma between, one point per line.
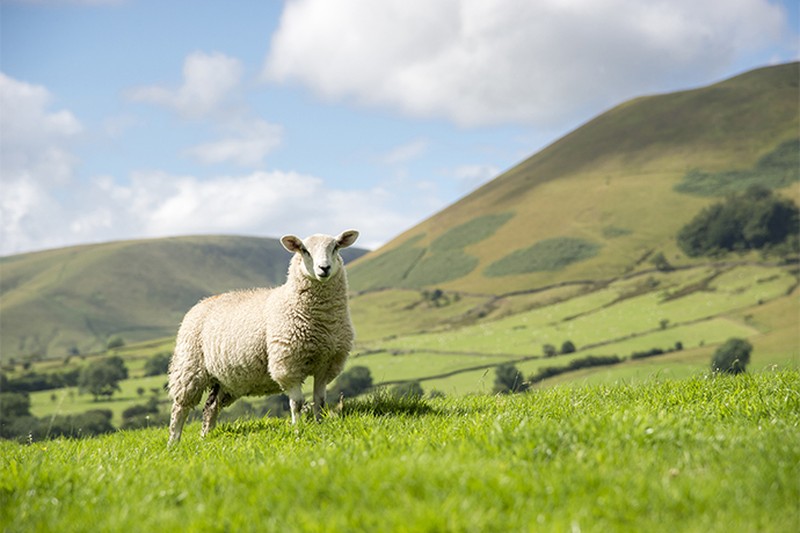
x=128, y=119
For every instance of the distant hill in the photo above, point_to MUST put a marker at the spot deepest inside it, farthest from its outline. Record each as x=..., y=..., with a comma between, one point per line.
x=604, y=199
x=73, y=299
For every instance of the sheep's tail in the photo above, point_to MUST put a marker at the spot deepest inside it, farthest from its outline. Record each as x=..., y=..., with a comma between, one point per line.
x=188, y=377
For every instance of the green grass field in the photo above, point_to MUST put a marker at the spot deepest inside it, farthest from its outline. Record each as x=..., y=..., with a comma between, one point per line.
x=453, y=346
x=703, y=454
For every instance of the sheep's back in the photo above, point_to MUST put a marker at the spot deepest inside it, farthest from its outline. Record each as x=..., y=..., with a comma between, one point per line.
x=234, y=341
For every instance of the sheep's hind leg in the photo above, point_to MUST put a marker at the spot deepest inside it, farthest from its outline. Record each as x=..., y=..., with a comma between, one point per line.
x=176, y=422
x=295, y=394
x=320, y=392
x=217, y=399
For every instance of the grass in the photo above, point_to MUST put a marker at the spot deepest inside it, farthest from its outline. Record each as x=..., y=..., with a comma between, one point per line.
x=402, y=336
x=550, y=254
x=709, y=454
x=775, y=170
x=605, y=316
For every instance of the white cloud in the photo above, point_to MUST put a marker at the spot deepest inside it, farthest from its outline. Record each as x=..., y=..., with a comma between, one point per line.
x=159, y=204
x=209, y=81
x=34, y=159
x=249, y=141
x=405, y=152
x=477, y=62
x=156, y=204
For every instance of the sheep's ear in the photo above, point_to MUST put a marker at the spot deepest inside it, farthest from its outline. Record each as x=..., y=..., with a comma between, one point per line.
x=347, y=238
x=292, y=243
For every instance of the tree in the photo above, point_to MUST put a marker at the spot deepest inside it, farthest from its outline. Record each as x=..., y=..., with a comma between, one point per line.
x=411, y=389
x=567, y=347
x=661, y=263
x=508, y=379
x=101, y=378
x=115, y=342
x=755, y=219
x=157, y=365
x=352, y=382
x=732, y=357
x=14, y=405
x=549, y=350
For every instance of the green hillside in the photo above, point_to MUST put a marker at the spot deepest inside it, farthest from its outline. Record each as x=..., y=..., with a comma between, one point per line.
x=602, y=199
x=72, y=300
x=706, y=454
x=577, y=243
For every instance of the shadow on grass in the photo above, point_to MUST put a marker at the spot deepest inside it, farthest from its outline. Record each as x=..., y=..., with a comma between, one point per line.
x=383, y=403
x=377, y=404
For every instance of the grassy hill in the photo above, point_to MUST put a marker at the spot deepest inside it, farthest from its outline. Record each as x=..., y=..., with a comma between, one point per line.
x=706, y=454
x=73, y=299
x=601, y=200
x=560, y=248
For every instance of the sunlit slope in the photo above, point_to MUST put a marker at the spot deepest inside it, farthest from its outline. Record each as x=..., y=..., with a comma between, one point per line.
x=602, y=200
x=72, y=299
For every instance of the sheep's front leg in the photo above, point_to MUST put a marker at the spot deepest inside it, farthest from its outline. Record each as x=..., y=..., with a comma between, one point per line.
x=320, y=386
x=295, y=394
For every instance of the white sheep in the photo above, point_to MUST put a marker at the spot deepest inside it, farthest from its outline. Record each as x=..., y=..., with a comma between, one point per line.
x=266, y=341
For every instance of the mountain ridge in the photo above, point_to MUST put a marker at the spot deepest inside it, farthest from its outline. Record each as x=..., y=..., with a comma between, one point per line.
x=71, y=300
x=609, y=184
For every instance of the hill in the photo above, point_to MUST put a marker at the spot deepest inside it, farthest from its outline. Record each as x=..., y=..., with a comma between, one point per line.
x=707, y=454
x=71, y=300
x=603, y=199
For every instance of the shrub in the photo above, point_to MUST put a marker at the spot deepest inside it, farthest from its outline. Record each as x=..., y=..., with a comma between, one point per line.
x=648, y=353
x=508, y=380
x=352, y=382
x=115, y=342
x=410, y=389
x=567, y=347
x=575, y=364
x=732, y=357
x=661, y=263
x=549, y=350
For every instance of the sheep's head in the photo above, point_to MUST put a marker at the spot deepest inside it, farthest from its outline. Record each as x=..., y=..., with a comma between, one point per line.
x=319, y=254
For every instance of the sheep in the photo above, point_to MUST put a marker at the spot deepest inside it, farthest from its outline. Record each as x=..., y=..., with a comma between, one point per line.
x=266, y=341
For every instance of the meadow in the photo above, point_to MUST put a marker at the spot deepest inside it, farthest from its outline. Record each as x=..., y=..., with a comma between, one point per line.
x=708, y=453
x=452, y=344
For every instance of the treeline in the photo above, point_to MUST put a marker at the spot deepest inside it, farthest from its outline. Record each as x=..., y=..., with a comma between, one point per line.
x=102, y=371
x=510, y=380
x=17, y=422
x=757, y=219
x=34, y=381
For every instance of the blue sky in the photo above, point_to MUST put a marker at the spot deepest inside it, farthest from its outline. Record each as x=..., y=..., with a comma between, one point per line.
x=129, y=119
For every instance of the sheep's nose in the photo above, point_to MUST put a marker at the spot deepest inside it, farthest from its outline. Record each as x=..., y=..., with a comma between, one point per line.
x=325, y=270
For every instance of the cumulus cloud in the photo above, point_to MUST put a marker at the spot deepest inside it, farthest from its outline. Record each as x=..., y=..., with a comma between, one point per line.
x=247, y=143
x=156, y=204
x=160, y=204
x=477, y=62
x=209, y=81
x=35, y=158
x=209, y=94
